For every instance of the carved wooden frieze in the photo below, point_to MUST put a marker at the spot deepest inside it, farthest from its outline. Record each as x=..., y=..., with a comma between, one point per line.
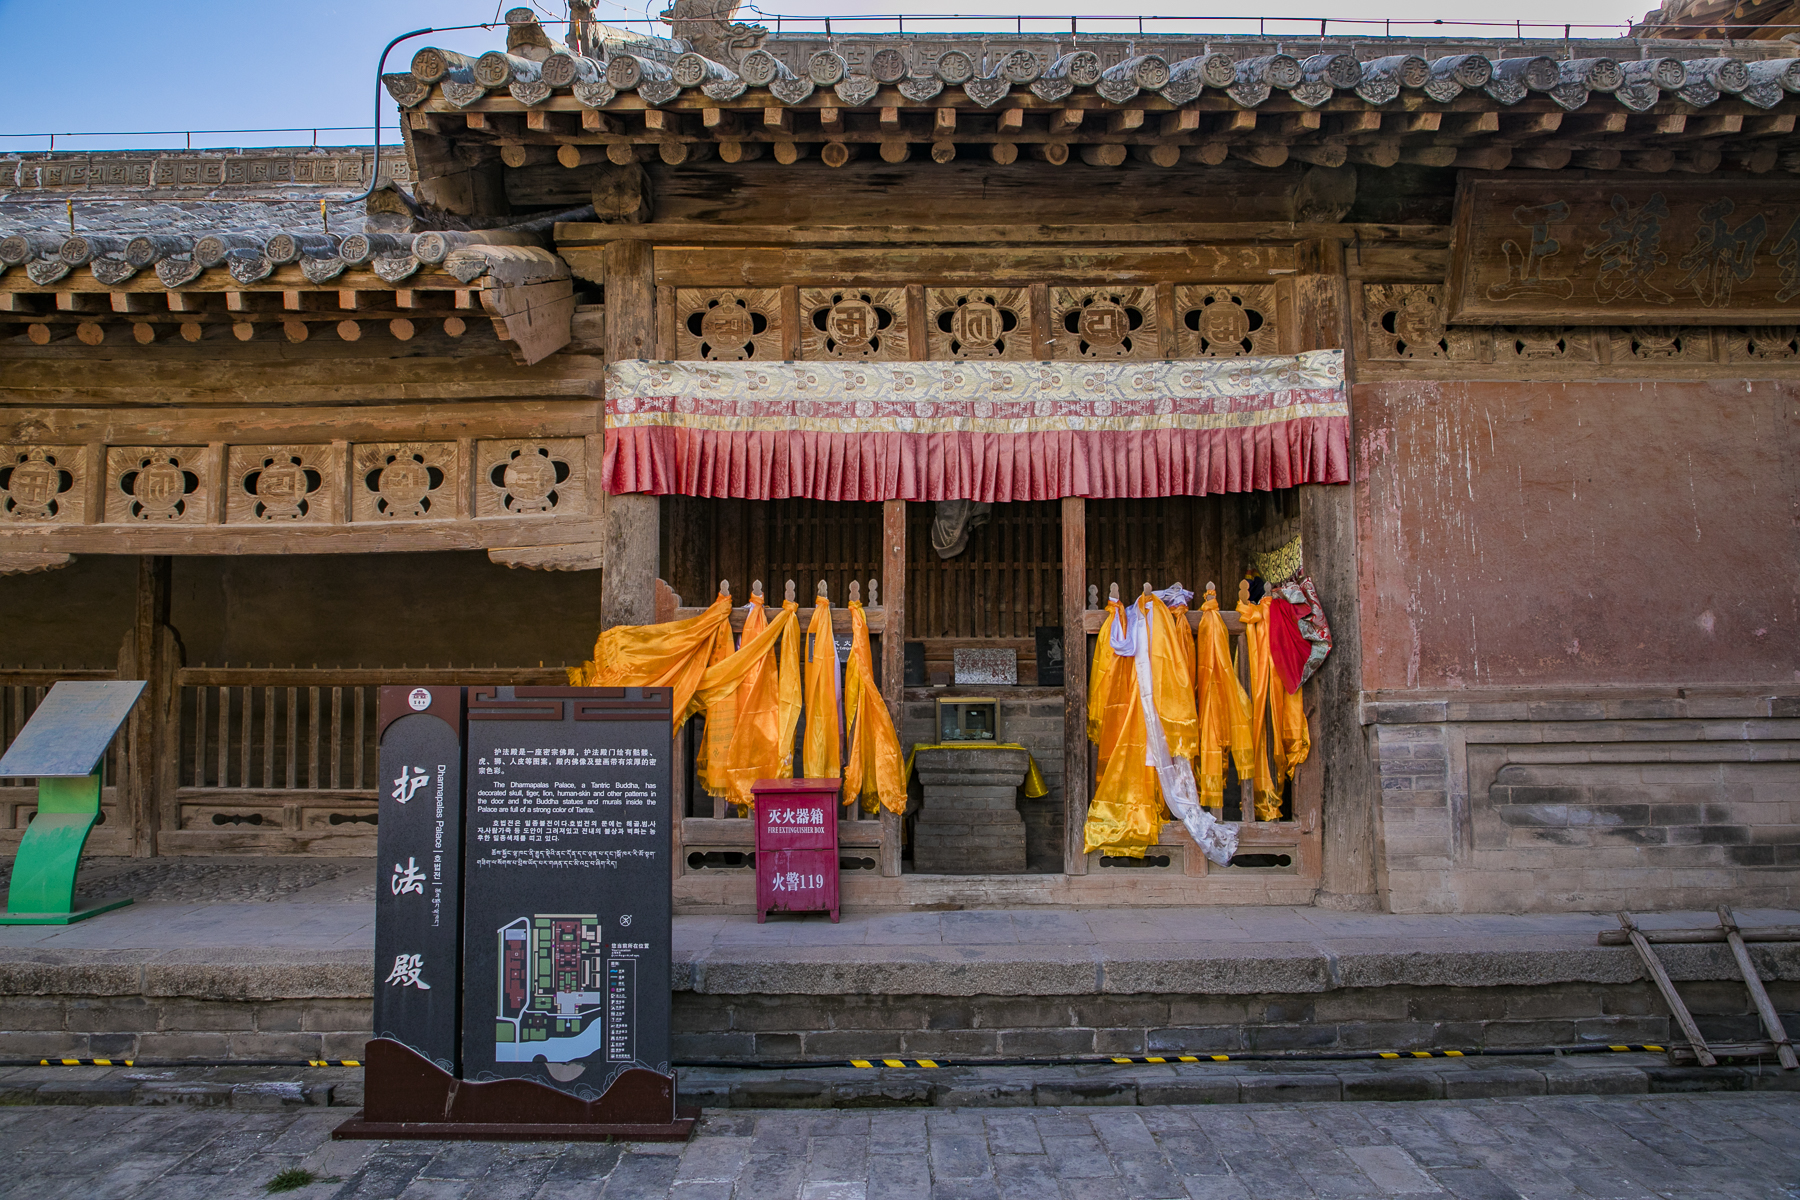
x=867, y=324
x=403, y=481
x=977, y=323
x=1225, y=320
x=1660, y=252
x=158, y=485
x=43, y=484
x=1769, y=343
x=1406, y=322
x=1104, y=323
x=530, y=477
x=281, y=485
x=723, y=325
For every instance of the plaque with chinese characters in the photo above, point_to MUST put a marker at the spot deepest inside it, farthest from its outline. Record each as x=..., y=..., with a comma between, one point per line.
x=418, y=847
x=566, y=901
x=1716, y=251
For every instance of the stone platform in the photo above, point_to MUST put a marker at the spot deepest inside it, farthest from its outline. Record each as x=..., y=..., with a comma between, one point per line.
x=280, y=967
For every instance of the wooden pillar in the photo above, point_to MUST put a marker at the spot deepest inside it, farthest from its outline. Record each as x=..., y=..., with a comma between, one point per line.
x=152, y=653
x=628, y=579
x=1350, y=785
x=1075, y=665
x=893, y=653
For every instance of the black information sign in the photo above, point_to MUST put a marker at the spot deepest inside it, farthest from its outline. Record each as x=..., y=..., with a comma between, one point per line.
x=418, y=846
x=567, y=900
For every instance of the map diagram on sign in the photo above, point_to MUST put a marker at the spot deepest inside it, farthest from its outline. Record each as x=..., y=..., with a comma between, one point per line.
x=554, y=980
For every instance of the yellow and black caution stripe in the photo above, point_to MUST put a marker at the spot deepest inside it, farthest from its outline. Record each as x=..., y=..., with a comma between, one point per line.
x=333, y=1062
x=86, y=1062
x=1342, y=1056
x=871, y=1063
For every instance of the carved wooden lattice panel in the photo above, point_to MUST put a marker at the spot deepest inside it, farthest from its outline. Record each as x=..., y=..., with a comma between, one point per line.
x=527, y=478
x=854, y=323
x=281, y=485
x=1225, y=320
x=1545, y=343
x=403, y=481
x=44, y=484
x=1771, y=343
x=979, y=323
x=158, y=484
x=728, y=326
x=1661, y=343
x=1104, y=323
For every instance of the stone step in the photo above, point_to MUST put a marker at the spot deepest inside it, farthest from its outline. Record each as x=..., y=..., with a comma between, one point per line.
x=1265, y=1082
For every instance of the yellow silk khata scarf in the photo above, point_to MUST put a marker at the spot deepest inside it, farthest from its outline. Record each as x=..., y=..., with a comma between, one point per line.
x=1127, y=812
x=872, y=770
x=823, y=744
x=672, y=655
x=752, y=703
x=1223, y=708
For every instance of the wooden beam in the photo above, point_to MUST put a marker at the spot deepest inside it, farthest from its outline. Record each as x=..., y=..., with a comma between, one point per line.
x=831, y=120
x=1011, y=120
x=889, y=119
x=1181, y=121
x=628, y=581
x=1075, y=697
x=537, y=120
x=943, y=123
x=893, y=652
x=1065, y=120
x=1126, y=120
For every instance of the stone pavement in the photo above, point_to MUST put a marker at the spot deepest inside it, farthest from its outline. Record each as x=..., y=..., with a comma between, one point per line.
x=1714, y=1147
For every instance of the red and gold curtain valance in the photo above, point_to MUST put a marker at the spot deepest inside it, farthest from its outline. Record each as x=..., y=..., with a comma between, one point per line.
x=988, y=431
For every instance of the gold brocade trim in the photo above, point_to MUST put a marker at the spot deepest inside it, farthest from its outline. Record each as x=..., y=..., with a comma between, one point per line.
x=1281, y=563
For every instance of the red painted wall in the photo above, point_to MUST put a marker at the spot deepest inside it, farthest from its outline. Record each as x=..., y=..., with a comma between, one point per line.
x=1578, y=533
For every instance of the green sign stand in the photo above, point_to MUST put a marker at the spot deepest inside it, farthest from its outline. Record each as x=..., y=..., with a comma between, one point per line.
x=62, y=745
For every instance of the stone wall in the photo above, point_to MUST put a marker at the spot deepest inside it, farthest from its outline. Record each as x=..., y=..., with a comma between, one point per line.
x=1033, y=717
x=783, y=1028
x=1607, y=799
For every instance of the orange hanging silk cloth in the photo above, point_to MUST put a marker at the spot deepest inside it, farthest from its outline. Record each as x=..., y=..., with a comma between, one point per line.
x=752, y=705
x=822, y=750
x=1127, y=811
x=872, y=769
x=1223, y=707
x=1262, y=669
x=672, y=655
x=1110, y=688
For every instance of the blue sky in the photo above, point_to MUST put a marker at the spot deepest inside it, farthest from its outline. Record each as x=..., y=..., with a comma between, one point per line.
x=245, y=64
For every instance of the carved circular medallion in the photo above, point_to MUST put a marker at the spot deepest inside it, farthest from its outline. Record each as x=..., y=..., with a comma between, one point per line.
x=1416, y=322
x=33, y=486
x=404, y=484
x=852, y=324
x=726, y=327
x=158, y=489
x=280, y=488
x=1084, y=68
x=955, y=67
x=529, y=480
x=1021, y=66
x=887, y=66
x=1224, y=324
x=978, y=327
x=1104, y=326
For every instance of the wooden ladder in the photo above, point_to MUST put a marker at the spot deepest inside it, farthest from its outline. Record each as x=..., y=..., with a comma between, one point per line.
x=1727, y=932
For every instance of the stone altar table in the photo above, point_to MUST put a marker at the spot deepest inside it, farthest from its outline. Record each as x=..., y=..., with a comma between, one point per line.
x=969, y=823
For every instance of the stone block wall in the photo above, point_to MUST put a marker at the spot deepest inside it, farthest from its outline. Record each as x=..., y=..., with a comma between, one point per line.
x=1032, y=717
x=788, y=1028
x=1671, y=799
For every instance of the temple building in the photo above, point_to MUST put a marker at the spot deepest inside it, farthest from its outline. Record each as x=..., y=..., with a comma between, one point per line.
x=1488, y=348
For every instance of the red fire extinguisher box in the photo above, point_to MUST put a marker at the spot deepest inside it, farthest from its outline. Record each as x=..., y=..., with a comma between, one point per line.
x=796, y=846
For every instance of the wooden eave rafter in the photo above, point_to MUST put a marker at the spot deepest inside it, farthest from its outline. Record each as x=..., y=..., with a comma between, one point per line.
x=1518, y=109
